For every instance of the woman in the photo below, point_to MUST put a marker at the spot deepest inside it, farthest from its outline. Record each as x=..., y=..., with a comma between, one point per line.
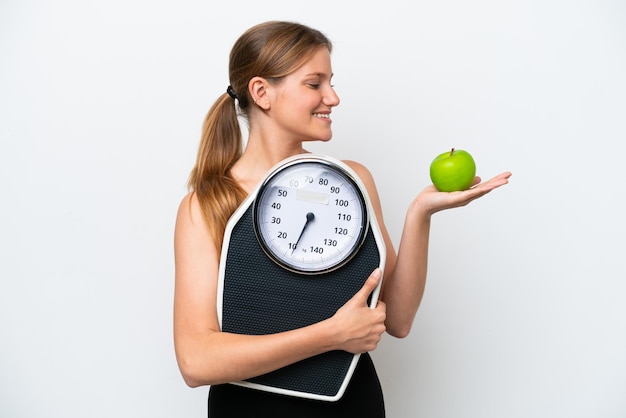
x=280, y=81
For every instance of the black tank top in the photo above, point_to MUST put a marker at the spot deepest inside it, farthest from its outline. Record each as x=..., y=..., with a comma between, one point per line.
x=363, y=398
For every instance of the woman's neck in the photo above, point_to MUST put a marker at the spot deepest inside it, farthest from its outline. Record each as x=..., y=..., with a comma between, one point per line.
x=255, y=162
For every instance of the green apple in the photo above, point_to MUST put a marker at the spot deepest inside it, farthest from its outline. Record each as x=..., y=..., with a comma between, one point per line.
x=453, y=170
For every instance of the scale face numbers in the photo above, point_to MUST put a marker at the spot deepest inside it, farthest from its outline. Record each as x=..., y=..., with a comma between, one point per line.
x=310, y=216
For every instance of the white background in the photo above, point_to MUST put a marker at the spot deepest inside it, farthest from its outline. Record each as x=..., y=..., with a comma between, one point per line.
x=100, y=111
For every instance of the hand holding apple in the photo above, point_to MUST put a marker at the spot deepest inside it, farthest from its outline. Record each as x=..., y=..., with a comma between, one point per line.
x=453, y=171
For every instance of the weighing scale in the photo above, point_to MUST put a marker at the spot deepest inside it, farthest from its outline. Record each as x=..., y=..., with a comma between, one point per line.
x=296, y=250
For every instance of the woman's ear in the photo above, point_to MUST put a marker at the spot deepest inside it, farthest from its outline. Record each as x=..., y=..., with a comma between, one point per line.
x=258, y=90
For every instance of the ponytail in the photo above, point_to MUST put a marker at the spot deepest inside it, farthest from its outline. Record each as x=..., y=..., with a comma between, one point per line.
x=220, y=147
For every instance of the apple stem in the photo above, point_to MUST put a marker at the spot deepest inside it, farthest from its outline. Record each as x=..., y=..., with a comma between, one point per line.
x=451, y=152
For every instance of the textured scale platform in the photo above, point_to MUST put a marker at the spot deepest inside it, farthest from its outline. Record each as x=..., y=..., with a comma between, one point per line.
x=260, y=297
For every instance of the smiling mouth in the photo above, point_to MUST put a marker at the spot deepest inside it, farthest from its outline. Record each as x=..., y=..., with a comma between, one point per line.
x=321, y=115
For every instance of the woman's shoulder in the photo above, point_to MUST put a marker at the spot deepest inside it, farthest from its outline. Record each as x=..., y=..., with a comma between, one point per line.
x=191, y=232
x=189, y=210
x=189, y=203
x=361, y=170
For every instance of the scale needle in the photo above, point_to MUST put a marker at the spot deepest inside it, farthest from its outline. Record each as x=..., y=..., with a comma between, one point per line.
x=309, y=217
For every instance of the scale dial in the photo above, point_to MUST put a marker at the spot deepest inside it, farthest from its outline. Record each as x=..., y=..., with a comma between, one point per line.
x=310, y=215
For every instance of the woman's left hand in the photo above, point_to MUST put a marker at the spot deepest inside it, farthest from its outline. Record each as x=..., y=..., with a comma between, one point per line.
x=431, y=200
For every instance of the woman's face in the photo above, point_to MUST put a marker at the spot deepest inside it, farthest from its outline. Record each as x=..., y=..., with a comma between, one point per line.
x=302, y=102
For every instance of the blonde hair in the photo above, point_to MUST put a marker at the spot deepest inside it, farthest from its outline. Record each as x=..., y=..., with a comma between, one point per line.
x=271, y=50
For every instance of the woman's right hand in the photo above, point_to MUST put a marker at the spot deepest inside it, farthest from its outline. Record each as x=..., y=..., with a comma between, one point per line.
x=360, y=327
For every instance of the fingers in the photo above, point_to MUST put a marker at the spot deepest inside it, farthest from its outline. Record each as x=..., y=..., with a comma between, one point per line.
x=361, y=327
x=369, y=285
x=493, y=183
x=500, y=179
x=503, y=178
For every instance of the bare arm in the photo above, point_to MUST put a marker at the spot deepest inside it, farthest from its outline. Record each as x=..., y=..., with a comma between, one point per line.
x=206, y=355
x=405, y=273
